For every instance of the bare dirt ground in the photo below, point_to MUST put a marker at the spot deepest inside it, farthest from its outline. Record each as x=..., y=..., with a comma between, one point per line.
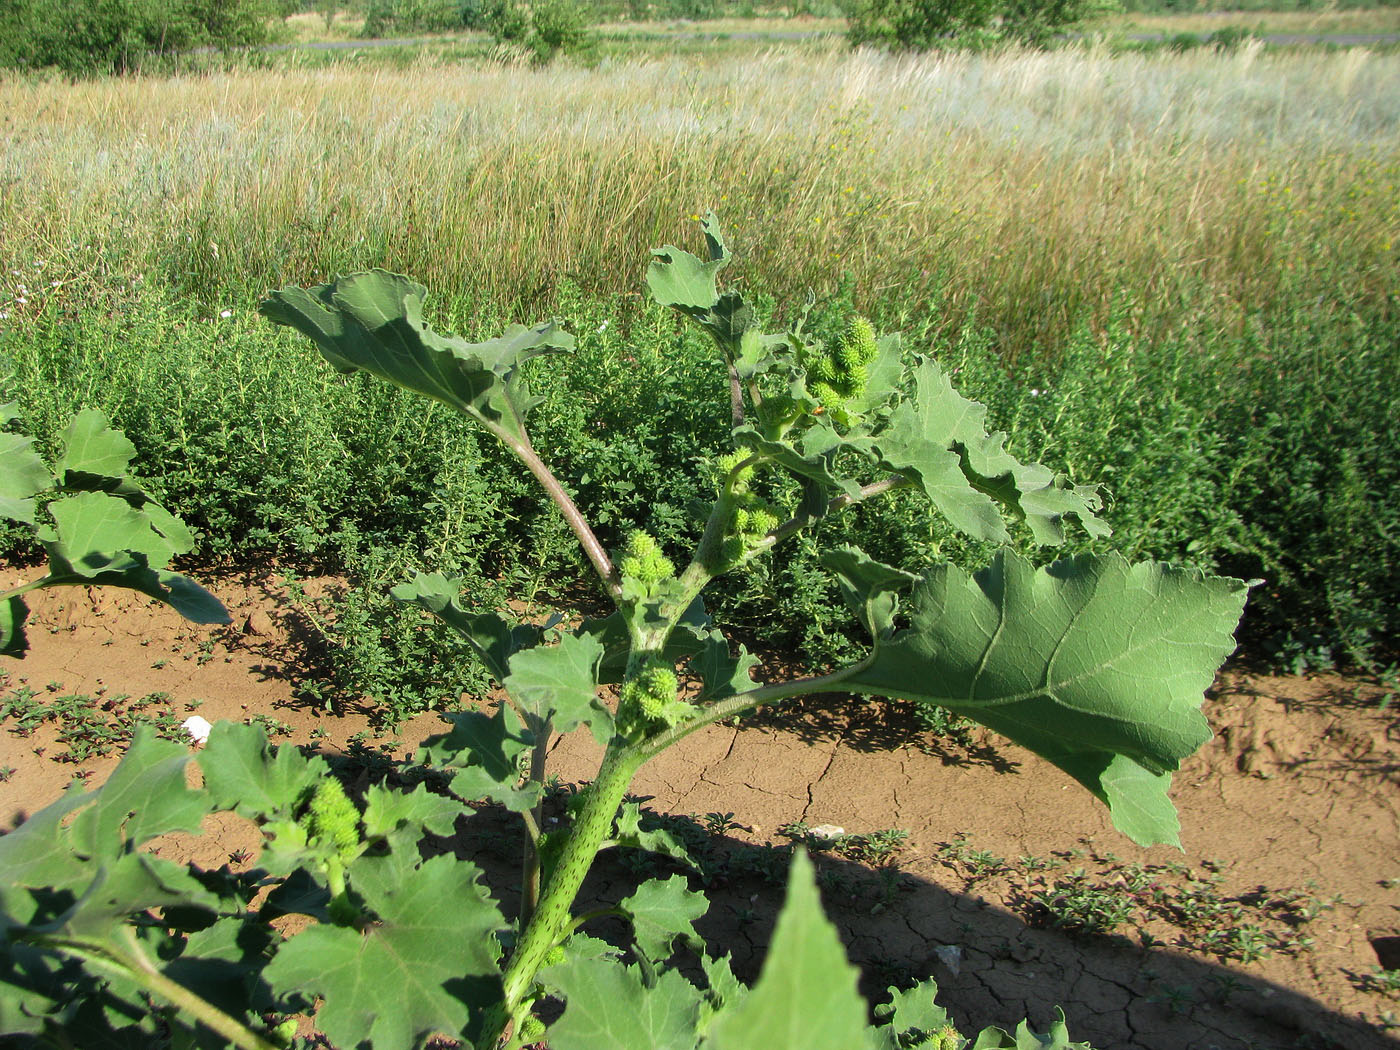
x=1010, y=886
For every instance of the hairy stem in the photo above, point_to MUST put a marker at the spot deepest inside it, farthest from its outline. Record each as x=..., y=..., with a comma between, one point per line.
x=551, y=920
x=131, y=963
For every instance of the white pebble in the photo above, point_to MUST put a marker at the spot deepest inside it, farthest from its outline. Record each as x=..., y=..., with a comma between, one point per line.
x=198, y=728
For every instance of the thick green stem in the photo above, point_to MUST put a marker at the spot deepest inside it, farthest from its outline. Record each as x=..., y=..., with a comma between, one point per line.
x=134, y=966
x=551, y=920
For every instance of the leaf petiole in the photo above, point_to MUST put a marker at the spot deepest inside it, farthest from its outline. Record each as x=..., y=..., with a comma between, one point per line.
x=132, y=964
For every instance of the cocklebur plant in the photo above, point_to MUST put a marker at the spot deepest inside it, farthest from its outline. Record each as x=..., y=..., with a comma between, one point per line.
x=1095, y=664
x=95, y=523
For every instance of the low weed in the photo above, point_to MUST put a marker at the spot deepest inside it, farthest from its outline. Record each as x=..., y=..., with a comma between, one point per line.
x=86, y=726
x=1104, y=895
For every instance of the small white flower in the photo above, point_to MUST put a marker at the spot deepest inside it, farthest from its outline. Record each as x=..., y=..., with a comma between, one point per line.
x=1035, y=392
x=54, y=284
x=225, y=313
x=21, y=300
x=198, y=728
x=603, y=326
x=4, y=314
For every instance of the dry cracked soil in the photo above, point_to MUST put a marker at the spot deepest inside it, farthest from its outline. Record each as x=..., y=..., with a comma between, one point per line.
x=963, y=858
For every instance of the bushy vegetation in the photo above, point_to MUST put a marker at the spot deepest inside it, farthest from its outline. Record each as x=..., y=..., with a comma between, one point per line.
x=113, y=36
x=1208, y=321
x=919, y=25
x=1095, y=663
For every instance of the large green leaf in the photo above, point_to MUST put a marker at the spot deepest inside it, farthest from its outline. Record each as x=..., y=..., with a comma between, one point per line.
x=80, y=855
x=661, y=911
x=246, y=773
x=90, y=446
x=806, y=995
x=721, y=674
x=94, y=526
x=610, y=1007
x=628, y=832
x=559, y=684
x=388, y=811
x=486, y=752
x=422, y=968
x=678, y=279
x=374, y=321
x=939, y=438
x=22, y=475
x=1095, y=664
x=911, y=1017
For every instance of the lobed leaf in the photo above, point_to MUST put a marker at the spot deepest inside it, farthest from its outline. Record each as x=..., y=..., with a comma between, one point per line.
x=493, y=639
x=486, y=751
x=373, y=322
x=419, y=810
x=938, y=438
x=722, y=675
x=662, y=911
x=559, y=684
x=610, y=1007
x=677, y=278
x=245, y=772
x=426, y=965
x=91, y=446
x=910, y=1017
x=627, y=831
x=806, y=994
x=1094, y=664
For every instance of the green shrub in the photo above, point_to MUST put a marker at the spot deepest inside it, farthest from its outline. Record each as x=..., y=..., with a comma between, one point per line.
x=919, y=25
x=114, y=36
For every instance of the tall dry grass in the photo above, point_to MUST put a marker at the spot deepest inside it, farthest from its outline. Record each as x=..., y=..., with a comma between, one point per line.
x=1038, y=192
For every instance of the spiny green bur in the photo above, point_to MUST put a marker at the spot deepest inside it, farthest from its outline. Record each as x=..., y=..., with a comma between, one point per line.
x=836, y=376
x=648, y=703
x=751, y=517
x=644, y=562
x=332, y=822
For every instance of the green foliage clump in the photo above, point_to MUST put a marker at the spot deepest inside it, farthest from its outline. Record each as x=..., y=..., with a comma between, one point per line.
x=383, y=17
x=546, y=28
x=922, y=25
x=116, y=36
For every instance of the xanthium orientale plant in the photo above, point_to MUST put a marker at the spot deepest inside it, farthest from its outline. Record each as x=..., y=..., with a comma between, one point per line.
x=1094, y=663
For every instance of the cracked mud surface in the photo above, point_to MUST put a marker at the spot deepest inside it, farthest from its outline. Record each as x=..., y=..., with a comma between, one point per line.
x=1261, y=935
